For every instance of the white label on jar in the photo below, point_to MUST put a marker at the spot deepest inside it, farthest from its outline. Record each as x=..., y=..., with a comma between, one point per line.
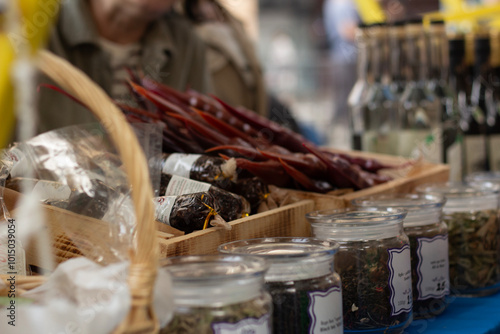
x=400, y=280
x=325, y=310
x=494, y=153
x=179, y=185
x=433, y=268
x=245, y=326
x=180, y=164
x=51, y=190
x=163, y=208
x=475, y=153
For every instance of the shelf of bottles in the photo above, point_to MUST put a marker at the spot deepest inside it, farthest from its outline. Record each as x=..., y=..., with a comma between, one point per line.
x=423, y=92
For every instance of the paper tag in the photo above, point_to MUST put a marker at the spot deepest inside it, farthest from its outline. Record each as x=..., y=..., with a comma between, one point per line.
x=325, y=310
x=400, y=280
x=163, y=208
x=180, y=164
x=51, y=190
x=433, y=267
x=494, y=142
x=475, y=153
x=180, y=186
x=426, y=143
x=245, y=326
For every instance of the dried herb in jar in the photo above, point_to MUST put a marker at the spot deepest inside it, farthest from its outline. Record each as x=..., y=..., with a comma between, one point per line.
x=231, y=206
x=474, y=246
x=201, y=320
x=291, y=302
x=189, y=212
x=364, y=271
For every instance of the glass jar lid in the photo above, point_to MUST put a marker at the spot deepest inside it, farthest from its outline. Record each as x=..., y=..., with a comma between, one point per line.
x=462, y=196
x=421, y=209
x=289, y=258
x=493, y=177
x=215, y=279
x=356, y=224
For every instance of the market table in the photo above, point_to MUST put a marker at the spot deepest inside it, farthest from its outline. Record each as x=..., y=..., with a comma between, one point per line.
x=464, y=315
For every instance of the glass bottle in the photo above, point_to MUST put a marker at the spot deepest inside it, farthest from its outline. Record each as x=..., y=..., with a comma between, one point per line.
x=493, y=118
x=398, y=71
x=475, y=141
x=419, y=108
x=218, y=294
x=380, y=106
x=449, y=139
x=373, y=262
x=471, y=214
x=356, y=98
x=428, y=236
x=306, y=290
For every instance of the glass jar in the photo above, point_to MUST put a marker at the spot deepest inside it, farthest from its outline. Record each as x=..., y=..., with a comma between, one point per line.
x=305, y=289
x=374, y=265
x=218, y=294
x=471, y=214
x=428, y=236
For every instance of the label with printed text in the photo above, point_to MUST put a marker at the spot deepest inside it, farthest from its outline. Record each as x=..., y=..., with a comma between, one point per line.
x=433, y=267
x=180, y=164
x=325, y=311
x=400, y=280
x=246, y=326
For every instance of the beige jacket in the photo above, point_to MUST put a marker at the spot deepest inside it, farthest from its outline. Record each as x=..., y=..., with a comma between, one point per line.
x=171, y=54
x=235, y=69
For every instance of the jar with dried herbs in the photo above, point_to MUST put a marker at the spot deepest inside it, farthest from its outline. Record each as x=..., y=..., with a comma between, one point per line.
x=218, y=294
x=306, y=291
x=472, y=216
x=374, y=265
x=428, y=236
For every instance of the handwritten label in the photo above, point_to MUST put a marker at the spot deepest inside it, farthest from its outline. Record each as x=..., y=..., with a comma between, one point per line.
x=400, y=280
x=180, y=185
x=246, y=326
x=325, y=310
x=180, y=164
x=433, y=267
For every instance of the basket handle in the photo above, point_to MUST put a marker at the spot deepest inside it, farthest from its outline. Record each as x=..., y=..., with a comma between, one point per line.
x=144, y=258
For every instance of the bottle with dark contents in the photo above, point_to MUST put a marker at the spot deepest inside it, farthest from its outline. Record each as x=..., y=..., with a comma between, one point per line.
x=356, y=98
x=373, y=262
x=449, y=139
x=493, y=118
x=231, y=206
x=218, y=294
x=306, y=291
x=428, y=236
x=398, y=72
x=419, y=108
x=475, y=127
x=380, y=106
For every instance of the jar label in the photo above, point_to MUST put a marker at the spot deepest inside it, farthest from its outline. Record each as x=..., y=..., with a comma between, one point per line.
x=433, y=268
x=325, y=310
x=163, y=208
x=400, y=280
x=245, y=326
x=180, y=185
x=180, y=164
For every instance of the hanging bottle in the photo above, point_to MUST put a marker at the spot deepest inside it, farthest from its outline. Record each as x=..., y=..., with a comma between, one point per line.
x=380, y=105
x=450, y=138
x=419, y=108
x=475, y=141
x=493, y=119
x=357, y=95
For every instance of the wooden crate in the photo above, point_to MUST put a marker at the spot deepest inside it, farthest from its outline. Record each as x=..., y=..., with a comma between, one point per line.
x=404, y=181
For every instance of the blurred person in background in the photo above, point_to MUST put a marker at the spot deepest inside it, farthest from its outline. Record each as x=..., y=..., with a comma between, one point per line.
x=341, y=19
x=236, y=71
x=105, y=37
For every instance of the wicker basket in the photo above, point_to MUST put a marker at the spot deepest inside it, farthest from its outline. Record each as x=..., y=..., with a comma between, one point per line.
x=144, y=257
